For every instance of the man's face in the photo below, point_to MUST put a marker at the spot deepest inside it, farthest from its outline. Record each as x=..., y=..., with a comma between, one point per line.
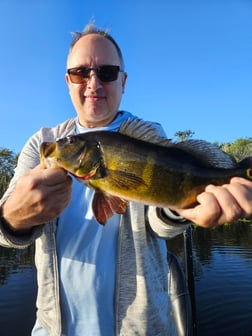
x=96, y=102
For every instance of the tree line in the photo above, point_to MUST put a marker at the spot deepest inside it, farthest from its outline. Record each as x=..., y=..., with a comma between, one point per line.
x=8, y=161
x=239, y=149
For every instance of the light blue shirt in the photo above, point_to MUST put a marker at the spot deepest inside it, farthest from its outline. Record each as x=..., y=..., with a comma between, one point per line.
x=87, y=262
x=87, y=257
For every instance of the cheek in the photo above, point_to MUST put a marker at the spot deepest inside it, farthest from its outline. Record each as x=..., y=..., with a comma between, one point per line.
x=113, y=101
x=114, y=92
x=77, y=94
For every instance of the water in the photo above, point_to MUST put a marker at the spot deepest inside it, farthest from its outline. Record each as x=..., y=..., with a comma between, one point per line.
x=223, y=283
x=223, y=279
x=17, y=292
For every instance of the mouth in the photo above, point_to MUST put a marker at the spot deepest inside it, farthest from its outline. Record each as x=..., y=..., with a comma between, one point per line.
x=79, y=174
x=47, y=148
x=95, y=98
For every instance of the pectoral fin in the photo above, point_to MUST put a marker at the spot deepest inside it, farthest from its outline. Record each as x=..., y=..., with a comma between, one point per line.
x=124, y=180
x=105, y=205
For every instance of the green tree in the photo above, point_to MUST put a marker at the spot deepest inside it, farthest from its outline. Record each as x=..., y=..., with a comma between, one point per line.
x=239, y=149
x=8, y=161
x=184, y=135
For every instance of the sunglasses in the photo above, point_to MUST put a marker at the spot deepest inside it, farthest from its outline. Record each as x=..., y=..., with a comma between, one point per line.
x=105, y=73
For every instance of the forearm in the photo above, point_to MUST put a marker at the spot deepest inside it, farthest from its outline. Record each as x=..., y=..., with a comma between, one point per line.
x=9, y=237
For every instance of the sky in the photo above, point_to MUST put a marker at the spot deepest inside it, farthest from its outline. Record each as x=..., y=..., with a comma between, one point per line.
x=189, y=63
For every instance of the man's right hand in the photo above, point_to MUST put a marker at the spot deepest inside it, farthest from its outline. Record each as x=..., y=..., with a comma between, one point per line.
x=39, y=196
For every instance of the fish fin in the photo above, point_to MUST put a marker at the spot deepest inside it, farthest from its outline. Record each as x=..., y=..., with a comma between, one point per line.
x=208, y=153
x=105, y=205
x=246, y=163
x=143, y=130
x=125, y=180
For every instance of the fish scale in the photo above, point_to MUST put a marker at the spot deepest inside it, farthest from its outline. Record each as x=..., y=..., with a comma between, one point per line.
x=123, y=166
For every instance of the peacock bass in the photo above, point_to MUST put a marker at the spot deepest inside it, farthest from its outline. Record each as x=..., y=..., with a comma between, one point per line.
x=134, y=164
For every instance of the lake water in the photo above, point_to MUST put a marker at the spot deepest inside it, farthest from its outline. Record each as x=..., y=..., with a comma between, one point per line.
x=17, y=292
x=224, y=281
x=222, y=273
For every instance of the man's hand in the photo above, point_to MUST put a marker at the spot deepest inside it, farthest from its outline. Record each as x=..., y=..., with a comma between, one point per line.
x=40, y=195
x=219, y=205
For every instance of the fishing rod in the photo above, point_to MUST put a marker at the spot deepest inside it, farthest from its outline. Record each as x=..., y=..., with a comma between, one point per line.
x=189, y=274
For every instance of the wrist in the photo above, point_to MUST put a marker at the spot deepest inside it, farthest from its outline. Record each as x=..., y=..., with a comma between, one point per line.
x=11, y=229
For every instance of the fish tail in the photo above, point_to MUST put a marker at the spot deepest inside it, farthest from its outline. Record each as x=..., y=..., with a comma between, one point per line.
x=247, y=164
x=249, y=173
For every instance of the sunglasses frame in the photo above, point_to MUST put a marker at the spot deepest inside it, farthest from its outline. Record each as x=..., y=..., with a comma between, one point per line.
x=84, y=73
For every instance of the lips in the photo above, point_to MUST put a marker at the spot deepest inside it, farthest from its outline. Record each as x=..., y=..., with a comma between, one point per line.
x=94, y=98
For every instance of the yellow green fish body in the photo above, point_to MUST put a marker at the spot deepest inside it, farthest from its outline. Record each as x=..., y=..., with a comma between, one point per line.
x=122, y=167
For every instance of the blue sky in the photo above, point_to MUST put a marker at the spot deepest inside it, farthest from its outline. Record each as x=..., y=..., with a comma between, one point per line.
x=189, y=63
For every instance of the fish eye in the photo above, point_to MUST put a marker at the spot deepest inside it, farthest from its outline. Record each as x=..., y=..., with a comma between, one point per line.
x=71, y=140
x=61, y=141
x=67, y=140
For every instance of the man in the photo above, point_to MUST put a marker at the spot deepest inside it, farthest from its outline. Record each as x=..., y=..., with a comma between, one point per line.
x=95, y=280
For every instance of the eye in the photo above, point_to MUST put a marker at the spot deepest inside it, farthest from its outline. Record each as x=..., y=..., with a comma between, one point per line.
x=67, y=140
x=83, y=72
x=71, y=140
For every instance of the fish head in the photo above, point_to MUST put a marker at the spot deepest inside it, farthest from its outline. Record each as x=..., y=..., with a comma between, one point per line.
x=80, y=156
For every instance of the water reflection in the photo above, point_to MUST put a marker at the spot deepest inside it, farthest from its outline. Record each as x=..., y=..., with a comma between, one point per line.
x=223, y=259
x=226, y=239
x=13, y=261
x=223, y=278
x=17, y=291
x=223, y=282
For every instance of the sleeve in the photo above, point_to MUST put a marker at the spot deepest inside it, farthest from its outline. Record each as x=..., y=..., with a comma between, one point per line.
x=164, y=223
x=10, y=239
x=28, y=159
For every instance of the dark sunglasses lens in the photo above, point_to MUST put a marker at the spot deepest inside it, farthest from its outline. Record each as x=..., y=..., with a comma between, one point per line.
x=80, y=75
x=108, y=73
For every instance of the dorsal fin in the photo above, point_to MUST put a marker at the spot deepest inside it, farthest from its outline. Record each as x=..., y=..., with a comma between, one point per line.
x=208, y=153
x=143, y=130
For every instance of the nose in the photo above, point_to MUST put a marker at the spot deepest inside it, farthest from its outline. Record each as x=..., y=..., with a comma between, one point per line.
x=93, y=81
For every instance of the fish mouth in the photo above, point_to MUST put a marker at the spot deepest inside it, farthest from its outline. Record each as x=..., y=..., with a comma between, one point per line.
x=47, y=148
x=87, y=176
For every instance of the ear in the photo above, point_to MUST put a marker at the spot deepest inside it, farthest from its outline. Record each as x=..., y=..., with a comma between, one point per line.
x=67, y=79
x=124, y=79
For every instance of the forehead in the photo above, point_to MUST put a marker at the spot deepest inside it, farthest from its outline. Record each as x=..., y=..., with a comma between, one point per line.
x=93, y=50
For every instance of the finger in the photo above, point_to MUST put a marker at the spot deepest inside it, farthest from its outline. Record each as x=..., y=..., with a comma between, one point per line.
x=206, y=213
x=242, y=191
x=56, y=205
x=54, y=176
x=209, y=211
x=230, y=207
x=37, y=168
x=242, y=181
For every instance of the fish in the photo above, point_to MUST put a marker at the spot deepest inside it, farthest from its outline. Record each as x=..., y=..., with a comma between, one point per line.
x=135, y=164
